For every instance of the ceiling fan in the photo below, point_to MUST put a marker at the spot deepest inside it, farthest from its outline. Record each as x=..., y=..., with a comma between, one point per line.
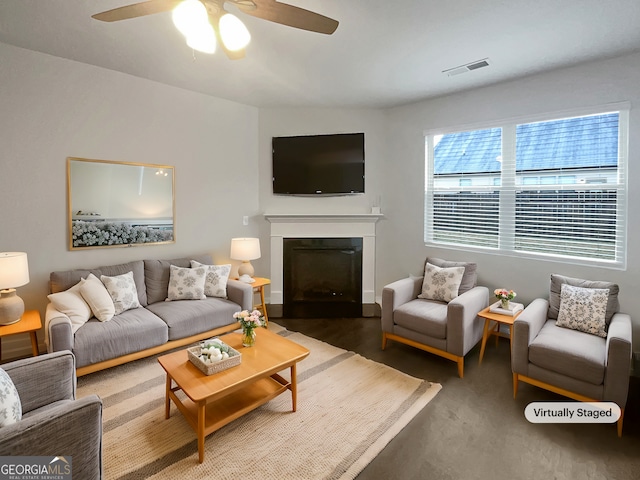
x=205, y=23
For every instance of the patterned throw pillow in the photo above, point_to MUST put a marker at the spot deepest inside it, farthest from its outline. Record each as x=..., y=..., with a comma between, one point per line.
x=97, y=296
x=10, y=406
x=122, y=289
x=583, y=309
x=186, y=283
x=215, y=284
x=441, y=283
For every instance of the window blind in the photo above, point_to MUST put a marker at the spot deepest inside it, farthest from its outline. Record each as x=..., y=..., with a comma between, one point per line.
x=555, y=188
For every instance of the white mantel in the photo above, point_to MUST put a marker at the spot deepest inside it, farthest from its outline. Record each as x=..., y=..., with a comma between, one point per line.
x=345, y=225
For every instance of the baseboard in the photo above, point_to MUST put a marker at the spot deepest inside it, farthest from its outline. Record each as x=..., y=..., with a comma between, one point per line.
x=368, y=310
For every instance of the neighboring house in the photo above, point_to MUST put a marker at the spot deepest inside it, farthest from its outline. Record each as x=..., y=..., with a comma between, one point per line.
x=474, y=158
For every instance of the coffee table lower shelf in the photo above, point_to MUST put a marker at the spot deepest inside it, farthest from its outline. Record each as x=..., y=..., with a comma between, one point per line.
x=218, y=413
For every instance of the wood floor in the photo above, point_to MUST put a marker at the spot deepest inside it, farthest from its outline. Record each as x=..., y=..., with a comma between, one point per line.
x=474, y=429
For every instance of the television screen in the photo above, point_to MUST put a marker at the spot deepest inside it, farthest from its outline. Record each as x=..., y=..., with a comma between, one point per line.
x=318, y=164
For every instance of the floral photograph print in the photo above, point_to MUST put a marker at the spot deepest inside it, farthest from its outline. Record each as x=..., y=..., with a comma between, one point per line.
x=115, y=204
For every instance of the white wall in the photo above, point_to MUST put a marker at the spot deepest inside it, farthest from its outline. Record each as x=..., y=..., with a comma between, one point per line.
x=401, y=248
x=51, y=108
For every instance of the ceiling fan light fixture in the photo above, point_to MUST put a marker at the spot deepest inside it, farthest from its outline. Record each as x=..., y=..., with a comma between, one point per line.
x=202, y=39
x=189, y=16
x=233, y=32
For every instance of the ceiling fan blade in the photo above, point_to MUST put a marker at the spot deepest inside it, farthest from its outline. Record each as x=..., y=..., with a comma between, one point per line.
x=290, y=15
x=136, y=10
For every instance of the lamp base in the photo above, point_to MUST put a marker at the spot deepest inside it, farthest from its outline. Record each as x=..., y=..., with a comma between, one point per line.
x=246, y=268
x=11, y=307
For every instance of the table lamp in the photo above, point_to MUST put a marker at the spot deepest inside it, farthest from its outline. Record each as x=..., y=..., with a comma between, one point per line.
x=245, y=249
x=14, y=272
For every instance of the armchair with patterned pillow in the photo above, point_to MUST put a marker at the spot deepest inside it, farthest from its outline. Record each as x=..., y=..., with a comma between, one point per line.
x=575, y=344
x=437, y=312
x=40, y=415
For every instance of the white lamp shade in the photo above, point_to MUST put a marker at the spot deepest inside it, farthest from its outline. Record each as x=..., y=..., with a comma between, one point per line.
x=245, y=248
x=203, y=39
x=189, y=15
x=14, y=270
x=233, y=32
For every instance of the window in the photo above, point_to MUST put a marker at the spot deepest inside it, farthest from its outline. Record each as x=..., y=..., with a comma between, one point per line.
x=552, y=188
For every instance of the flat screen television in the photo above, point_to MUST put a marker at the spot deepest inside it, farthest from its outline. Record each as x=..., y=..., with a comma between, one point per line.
x=318, y=164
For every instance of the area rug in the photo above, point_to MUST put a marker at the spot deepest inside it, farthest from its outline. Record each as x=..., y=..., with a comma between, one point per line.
x=349, y=408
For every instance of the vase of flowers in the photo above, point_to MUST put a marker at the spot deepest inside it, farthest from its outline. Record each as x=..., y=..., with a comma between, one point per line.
x=504, y=296
x=249, y=322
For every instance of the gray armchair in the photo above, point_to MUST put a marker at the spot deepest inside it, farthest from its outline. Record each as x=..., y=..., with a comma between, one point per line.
x=448, y=329
x=53, y=422
x=582, y=366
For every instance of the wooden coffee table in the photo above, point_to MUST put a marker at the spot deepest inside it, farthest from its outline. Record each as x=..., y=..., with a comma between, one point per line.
x=215, y=400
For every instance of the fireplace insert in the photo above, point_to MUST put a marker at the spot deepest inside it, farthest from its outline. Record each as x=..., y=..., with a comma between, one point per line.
x=322, y=277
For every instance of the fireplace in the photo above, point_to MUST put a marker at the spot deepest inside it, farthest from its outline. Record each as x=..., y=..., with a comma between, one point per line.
x=318, y=226
x=322, y=277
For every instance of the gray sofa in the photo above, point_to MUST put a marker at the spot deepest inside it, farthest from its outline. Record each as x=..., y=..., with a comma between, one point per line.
x=53, y=422
x=155, y=327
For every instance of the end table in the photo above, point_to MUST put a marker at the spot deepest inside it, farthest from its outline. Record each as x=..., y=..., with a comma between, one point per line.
x=498, y=319
x=29, y=323
x=258, y=287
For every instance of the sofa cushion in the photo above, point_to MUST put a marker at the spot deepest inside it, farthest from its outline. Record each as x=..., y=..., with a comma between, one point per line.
x=568, y=352
x=583, y=309
x=129, y=332
x=427, y=317
x=186, y=283
x=97, y=297
x=63, y=280
x=73, y=305
x=157, y=273
x=555, y=289
x=441, y=284
x=469, y=279
x=122, y=289
x=215, y=284
x=10, y=405
x=186, y=318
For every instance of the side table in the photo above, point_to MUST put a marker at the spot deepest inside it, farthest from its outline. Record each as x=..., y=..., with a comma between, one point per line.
x=29, y=323
x=498, y=319
x=258, y=287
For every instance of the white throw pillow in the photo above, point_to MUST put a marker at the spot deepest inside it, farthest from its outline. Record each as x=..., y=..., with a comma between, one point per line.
x=441, y=284
x=97, y=296
x=583, y=309
x=186, y=283
x=10, y=406
x=215, y=284
x=122, y=289
x=73, y=305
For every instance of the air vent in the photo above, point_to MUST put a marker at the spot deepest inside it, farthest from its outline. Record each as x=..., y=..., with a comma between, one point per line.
x=467, y=68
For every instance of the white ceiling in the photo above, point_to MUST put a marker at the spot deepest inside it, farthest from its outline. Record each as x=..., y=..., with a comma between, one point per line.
x=384, y=53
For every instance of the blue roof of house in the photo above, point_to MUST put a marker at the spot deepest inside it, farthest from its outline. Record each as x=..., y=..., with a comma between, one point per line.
x=583, y=142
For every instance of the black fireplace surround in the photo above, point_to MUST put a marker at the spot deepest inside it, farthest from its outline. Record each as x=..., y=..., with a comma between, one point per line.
x=322, y=277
